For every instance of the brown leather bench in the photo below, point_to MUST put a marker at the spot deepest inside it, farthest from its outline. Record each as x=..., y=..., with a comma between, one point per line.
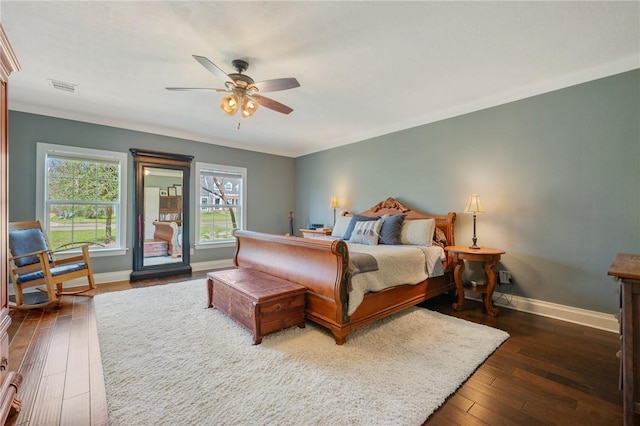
x=258, y=301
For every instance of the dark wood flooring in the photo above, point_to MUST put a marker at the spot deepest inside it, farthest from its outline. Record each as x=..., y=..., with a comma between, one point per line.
x=548, y=372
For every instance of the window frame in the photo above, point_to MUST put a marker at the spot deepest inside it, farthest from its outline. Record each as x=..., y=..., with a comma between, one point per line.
x=210, y=167
x=44, y=150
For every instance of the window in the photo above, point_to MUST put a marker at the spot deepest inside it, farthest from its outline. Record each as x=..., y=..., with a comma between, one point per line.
x=222, y=197
x=81, y=197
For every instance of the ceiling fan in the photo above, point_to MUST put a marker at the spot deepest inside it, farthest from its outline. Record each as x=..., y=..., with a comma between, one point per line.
x=244, y=93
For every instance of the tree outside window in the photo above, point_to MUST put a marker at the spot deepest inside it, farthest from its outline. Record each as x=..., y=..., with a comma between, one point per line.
x=221, y=197
x=82, y=197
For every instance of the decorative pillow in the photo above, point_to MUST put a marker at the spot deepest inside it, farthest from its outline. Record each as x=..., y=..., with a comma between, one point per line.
x=339, y=228
x=417, y=232
x=366, y=232
x=356, y=218
x=391, y=227
x=439, y=238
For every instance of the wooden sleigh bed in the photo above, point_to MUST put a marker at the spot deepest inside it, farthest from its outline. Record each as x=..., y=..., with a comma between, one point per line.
x=322, y=266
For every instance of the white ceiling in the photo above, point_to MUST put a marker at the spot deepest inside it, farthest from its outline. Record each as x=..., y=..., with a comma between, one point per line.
x=365, y=68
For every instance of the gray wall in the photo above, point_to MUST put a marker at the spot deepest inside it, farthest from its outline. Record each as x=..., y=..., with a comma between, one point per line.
x=558, y=175
x=270, y=186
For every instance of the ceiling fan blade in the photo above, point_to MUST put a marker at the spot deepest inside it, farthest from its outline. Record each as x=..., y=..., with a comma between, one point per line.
x=271, y=104
x=277, y=84
x=198, y=88
x=213, y=68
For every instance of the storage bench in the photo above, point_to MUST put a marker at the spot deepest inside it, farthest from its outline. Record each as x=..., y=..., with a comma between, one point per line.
x=153, y=248
x=258, y=301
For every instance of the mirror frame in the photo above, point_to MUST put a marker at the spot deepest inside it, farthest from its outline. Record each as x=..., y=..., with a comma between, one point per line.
x=145, y=158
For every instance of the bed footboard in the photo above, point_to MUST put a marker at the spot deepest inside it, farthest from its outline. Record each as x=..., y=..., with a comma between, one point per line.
x=169, y=232
x=319, y=265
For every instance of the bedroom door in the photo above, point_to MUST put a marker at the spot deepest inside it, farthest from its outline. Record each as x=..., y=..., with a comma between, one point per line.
x=151, y=210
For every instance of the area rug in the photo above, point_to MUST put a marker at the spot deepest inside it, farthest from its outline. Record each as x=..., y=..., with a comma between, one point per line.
x=167, y=360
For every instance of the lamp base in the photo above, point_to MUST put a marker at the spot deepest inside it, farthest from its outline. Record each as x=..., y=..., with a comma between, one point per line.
x=474, y=239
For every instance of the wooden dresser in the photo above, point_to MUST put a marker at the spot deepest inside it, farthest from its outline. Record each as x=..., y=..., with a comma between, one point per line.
x=9, y=380
x=626, y=268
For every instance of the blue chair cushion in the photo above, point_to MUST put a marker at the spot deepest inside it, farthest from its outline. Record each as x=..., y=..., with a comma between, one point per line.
x=22, y=241
x=56, y=271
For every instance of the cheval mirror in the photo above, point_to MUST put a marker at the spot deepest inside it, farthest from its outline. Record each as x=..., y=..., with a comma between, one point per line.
x=161, y=220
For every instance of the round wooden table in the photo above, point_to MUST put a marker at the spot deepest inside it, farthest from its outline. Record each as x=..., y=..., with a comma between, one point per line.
x=489, y=258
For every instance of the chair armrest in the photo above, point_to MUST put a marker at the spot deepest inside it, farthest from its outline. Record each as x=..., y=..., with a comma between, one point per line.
x=33, y=253
x=80, y=257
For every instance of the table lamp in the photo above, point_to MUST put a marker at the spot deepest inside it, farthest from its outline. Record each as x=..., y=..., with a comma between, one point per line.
x=474, y=207
x=334, y=205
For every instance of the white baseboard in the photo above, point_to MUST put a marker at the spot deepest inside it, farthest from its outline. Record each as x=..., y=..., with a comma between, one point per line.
x=599, y=320
x=594, y=319
x=110, y=277
x=212, y=264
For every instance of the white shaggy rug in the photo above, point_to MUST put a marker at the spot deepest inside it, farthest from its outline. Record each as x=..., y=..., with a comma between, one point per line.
x=169, y=361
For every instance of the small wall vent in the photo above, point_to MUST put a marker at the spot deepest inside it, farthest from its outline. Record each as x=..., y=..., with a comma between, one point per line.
x=65, y=87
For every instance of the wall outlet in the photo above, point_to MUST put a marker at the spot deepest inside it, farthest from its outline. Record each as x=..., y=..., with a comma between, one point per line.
x=505, y=277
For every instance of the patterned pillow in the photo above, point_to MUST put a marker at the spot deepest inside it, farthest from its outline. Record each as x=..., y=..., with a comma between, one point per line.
x=390, y=232
x=356, y=218
x=366, y=232
x=439, y=238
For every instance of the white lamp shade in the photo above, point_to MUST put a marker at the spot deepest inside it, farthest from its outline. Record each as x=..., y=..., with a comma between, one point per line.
x=474, y=205
x=334, y=203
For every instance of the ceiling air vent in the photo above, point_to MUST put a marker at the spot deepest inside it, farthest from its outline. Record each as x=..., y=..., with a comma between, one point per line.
x=65, y=87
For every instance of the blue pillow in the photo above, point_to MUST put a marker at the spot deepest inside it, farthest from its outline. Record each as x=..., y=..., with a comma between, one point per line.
x=356, y=218
x=391, y=227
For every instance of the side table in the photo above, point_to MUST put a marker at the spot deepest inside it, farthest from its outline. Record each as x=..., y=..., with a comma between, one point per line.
x=314, y=233
x=489, y=258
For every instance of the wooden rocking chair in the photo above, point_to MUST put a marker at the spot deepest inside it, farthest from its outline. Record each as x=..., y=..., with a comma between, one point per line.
x=32, y=263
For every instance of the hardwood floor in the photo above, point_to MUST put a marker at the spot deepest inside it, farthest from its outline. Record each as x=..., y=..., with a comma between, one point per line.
x=547, y=372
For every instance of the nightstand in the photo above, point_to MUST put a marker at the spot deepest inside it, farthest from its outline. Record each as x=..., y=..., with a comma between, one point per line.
x=489, y=258
x=315, y=233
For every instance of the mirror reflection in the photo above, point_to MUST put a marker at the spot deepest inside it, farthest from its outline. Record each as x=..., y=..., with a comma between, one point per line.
x=163, y=215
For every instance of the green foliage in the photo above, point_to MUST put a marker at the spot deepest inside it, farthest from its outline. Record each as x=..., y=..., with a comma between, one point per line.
x=82, y=180
x=58, y=238
x=217, y=225
x=88, y=186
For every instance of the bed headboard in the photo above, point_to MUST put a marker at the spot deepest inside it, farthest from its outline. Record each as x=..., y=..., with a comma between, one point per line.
x=392, y=206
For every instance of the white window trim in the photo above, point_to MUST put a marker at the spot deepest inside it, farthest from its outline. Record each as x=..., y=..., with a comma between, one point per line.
x=42, y=152
x=229, y=169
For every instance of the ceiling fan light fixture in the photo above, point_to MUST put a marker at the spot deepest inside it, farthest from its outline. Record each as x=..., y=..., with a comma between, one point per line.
x=243, y=91
x=229, y=104
x=249, y=107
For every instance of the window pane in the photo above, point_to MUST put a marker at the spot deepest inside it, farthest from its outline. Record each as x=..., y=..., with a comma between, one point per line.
x=75, y=224
x=219, y=204
x=81, y=196
x=82, y=179
x=218, y=222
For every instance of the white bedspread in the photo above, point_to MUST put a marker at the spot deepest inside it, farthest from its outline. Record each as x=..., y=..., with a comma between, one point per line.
x=401, y=264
